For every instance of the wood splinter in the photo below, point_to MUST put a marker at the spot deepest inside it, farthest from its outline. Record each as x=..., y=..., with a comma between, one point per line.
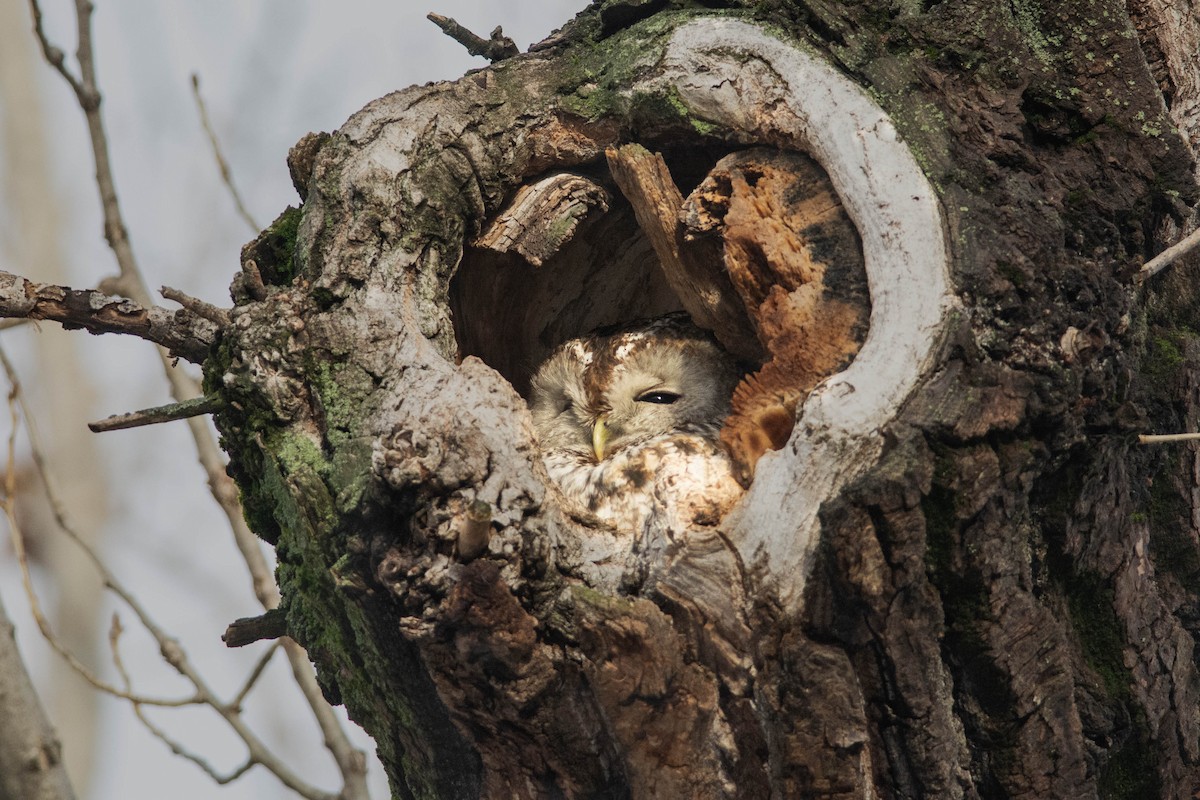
x=1164, y=438
x=208, y=404
x=497, y=48
x=700, y=283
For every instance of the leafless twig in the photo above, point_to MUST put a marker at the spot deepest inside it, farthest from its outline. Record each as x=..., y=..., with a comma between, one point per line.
x=170, y=648
x=222, y=164
x=255, y=674
x=208, y=311
x=497, y=48
x=114, y=635
x=209, y=404
x=1170, y=255
x=18, y=543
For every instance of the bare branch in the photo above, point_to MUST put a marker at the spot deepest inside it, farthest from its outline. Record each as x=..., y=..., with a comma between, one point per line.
x=172, y=652
x=209, y=404
x=497, y=48
x=255, y=674
x=208, y=311
x=222, y=164
x=15, y=398
x=1163, y=438
x=54, y=55
x=114, y=636
x=1169, y=256
x=350, y=760
x=31, y=762
x=181, y=332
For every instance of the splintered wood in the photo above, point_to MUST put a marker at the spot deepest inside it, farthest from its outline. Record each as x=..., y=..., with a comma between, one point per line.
x=544, y=216
x=794, y=257
x=762, y=248
x=695, y=274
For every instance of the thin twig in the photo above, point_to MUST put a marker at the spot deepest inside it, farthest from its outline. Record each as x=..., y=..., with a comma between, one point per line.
x=1162, y=438
x=256, y=673
x=18, y=542
x=54, y=55
x=222, y=164
x=497, y=48
x=208, y=311
x=208, y=404
x=1169, y=256
x=350, y=760
x=114, y=636
x=170, y=648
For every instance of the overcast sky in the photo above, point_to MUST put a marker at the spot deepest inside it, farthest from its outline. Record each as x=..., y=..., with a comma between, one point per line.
x=270, y=71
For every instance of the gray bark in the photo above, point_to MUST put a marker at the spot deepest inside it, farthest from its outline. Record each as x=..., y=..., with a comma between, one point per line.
x=31, y=766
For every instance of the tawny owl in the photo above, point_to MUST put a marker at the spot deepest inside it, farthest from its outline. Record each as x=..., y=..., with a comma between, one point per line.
x=628, y=422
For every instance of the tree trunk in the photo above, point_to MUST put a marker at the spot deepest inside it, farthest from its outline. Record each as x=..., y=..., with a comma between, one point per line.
x=31, y=765
x=953, y=572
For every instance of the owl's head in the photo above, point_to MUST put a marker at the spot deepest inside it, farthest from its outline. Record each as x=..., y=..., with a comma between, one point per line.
x=612, y=389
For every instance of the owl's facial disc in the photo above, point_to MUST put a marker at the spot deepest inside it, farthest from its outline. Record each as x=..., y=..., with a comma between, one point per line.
x=645, y=411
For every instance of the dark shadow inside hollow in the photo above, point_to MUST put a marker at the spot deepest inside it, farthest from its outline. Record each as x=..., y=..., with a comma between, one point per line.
x=511, y=314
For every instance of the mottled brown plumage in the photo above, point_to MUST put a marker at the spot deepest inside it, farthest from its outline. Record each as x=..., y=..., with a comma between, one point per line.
x=628, y=421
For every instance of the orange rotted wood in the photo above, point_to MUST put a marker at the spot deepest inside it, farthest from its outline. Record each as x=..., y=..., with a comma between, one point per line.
x=793, y=256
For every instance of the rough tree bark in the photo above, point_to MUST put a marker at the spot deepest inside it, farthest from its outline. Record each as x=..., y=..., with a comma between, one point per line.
x=31, y=764
x=958, y=577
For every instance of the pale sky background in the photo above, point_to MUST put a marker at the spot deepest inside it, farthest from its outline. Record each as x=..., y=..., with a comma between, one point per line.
x=271, y=71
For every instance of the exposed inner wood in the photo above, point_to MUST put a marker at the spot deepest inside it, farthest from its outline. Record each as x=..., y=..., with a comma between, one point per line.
x=794, y=259
x=544, y=216
x=695, y=274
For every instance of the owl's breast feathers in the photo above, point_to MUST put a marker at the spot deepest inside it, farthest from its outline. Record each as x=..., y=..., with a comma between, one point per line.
x=662, y=486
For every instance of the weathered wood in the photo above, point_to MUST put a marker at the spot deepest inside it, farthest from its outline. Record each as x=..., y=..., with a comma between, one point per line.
x=542, y=217
x=183, y=333
x=696, y=275
x=793, y=256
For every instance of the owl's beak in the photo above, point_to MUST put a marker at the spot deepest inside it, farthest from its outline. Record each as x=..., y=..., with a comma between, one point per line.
x=600, y=436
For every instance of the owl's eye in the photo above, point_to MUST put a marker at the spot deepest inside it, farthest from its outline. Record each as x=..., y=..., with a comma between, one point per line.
x=662, y=398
